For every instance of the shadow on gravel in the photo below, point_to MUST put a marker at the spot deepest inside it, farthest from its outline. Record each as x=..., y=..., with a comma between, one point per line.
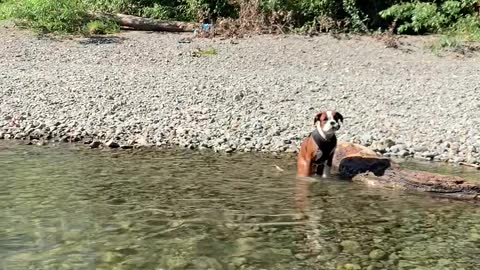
x=466, y=50
x=90, y=40
x=100, y=40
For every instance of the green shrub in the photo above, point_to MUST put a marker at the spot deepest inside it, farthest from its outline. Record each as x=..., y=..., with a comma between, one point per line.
x=167, y=9
x=467, y=28
x=56, y=16
x=357, y=19
x=111, y=6
x=416, y=17
x=434, y=16
x=100, y=27
x=440, y=16
x=314, y=12
x=51, y=16
x=204, y=52
x=159, y=12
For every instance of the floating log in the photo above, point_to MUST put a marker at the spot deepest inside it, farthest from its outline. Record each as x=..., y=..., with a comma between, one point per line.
x=359, y=163
x=147, y=24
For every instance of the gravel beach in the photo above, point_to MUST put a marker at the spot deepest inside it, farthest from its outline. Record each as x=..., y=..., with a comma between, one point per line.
x=254, y=94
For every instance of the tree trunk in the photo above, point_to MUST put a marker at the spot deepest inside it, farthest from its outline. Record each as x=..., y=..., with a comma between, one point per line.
x=358, y=163
x=147, y=24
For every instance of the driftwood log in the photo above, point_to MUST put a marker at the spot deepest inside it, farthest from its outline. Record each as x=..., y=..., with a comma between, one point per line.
x=359, y=163
x=147, y=24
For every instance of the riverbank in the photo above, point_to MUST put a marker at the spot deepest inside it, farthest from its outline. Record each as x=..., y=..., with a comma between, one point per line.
x=255, y=94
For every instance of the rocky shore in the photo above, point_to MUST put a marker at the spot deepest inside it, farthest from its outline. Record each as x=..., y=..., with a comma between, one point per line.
x=255, y=94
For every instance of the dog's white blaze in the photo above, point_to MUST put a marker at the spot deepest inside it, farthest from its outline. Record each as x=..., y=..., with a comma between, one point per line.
x=329, y=115
x=328, y=129
x=320, y=131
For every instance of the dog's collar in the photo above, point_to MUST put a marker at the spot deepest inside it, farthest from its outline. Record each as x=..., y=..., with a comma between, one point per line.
x=325, y=147
x=319, y=139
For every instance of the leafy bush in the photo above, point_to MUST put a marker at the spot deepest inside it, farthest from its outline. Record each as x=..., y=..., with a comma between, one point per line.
x=411, y=16
x=167, y=9
x=421, y=17
x=467, y=28
x=100, y=27
x=51, y=16
x=58, y=16
x=159, y=12
x=111, y=6
x=418, y=17
x=305, y=12
x=352, y=13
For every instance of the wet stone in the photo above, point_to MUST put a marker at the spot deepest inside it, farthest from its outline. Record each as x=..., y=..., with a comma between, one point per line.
x=239, y=261
x=95, y=144
x=19, y=136
x=112, y=144
x=350, y=246
x=206, y=263
x=350, y=266
x=377, y=254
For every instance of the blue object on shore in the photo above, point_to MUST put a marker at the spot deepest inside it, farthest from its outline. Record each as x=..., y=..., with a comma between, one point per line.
x=206, y=26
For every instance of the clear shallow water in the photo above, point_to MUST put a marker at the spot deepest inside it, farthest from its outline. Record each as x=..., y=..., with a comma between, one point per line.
x=68, y=208
x=468, y=173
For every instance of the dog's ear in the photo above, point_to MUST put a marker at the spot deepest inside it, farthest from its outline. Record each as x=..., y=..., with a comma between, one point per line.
x=338, y=117
x=318, y=117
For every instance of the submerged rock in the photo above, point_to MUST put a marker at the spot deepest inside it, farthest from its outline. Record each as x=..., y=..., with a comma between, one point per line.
x=377, y=254
x=350, y=266
x=206, y=263
x=350, y=246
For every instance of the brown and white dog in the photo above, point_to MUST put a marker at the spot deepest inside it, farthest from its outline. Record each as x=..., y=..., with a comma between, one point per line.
x=318, y=148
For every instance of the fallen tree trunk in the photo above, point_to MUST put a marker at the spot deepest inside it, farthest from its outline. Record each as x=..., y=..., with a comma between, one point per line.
x=361, y=164
x=147, y=24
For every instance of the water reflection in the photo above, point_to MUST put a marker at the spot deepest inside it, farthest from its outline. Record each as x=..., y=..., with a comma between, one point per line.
x=76, y=209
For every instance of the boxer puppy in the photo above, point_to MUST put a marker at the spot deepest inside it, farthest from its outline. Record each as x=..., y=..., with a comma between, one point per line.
x=318, y=148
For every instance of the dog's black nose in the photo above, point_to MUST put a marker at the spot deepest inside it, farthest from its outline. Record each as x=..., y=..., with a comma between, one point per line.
x=333, y=123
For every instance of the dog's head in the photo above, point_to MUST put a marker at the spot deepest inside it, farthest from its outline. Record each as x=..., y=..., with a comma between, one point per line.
x=328, y=122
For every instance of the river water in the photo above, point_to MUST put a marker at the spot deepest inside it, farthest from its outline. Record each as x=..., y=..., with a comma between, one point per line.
x=72, y=208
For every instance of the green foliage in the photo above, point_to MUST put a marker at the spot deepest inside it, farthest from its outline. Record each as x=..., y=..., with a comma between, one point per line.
x=100, y=27
x=110, y=5
x=60, y=16
x=467, y=28
x=357, y=19
x=434, y=16
x=51, y=16
x=459, y=36
x=159, y=12
x=418, y=17
x=204, y=52
x=184, y=10
x=311, y=12
x=452, y=17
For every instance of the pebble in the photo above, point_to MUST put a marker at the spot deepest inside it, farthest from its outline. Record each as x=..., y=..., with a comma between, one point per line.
x=350, y=246
x=377, y=254
x=217, y=102
x=351, y=266
x=112, y=144
x=95, y=144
